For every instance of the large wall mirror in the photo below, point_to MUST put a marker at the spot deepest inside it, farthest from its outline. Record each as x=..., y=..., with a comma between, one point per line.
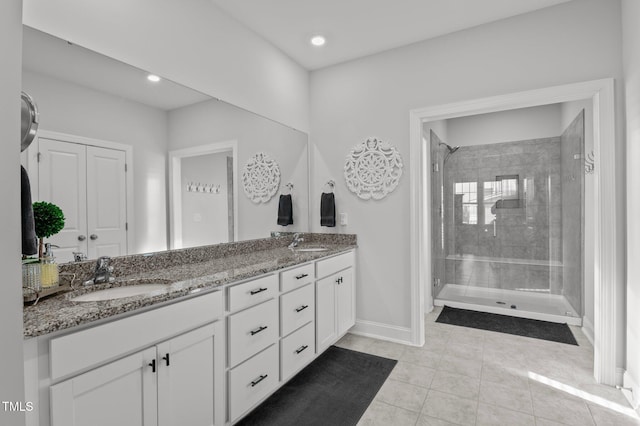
x=139, y=166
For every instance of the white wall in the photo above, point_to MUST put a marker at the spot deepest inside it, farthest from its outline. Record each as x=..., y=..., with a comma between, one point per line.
x=12, y=366
x=575, y=41
x=212, y=121
x=631, y=58
x=205, y=216
x=505, y=126
x=191, y=42
x=69, y=108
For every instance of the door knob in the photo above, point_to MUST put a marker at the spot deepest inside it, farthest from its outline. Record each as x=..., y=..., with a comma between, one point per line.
x=93, y=236
x=81, y=238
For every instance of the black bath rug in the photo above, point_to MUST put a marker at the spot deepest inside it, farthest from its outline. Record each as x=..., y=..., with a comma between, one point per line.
x=537, y=329
x=335, y=389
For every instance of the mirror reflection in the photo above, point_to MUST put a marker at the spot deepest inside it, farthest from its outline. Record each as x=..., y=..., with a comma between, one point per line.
x=139, y=165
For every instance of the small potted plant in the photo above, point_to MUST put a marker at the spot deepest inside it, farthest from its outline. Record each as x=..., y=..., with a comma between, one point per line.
x=49, y=220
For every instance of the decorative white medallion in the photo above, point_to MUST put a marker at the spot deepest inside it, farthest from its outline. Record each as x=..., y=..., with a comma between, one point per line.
x=373, y=169
x=261, y=178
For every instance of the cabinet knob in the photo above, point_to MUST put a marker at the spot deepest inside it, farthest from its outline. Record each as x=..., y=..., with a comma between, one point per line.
x=93, y=237
x=82, y=237
x=339, y=280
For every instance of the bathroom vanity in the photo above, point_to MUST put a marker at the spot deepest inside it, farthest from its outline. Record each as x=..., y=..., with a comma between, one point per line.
x=235, y=322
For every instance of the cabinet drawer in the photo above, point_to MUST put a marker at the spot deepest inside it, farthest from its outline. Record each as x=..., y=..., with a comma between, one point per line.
x=252, y=330
x=296, y=277
x=252, y=292
x=78, y=351
x=334, y=264
x=296, y=309
x=252, y=381
x=296, y=351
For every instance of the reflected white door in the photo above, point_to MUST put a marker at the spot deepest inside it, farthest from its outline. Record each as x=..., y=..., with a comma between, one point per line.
x=89, y=184
x=106, y=202
x=62, y=181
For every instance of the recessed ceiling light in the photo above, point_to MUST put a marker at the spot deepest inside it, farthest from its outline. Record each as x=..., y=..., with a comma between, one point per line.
x=154, y=78
x=318, y=40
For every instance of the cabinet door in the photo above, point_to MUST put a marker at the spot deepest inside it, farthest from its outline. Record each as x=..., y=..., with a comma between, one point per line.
x=345, y=301
x=63, y=181
x=190, y=384
x=326, y=330
x=121, y=393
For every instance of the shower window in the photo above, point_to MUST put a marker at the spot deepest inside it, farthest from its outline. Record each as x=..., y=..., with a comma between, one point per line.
x=469, y=193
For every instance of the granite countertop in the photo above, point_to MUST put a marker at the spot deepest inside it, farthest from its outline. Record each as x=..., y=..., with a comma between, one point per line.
x=59, y=312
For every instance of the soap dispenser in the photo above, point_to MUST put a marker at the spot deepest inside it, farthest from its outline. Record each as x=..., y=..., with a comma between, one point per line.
x=49, y=268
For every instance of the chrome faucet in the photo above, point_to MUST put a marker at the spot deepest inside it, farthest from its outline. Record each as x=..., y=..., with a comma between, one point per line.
x=102, y=273
x=297, y=239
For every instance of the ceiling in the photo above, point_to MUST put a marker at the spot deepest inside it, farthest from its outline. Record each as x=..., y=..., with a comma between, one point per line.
x=356, y=28
x=45, y=54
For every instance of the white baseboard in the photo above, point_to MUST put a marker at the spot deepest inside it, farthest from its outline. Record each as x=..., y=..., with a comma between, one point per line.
x=632, y=396
x=376, y=330
x=587, y=329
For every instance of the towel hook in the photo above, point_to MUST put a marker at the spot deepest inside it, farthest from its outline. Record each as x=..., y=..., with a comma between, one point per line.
x=289, y=186
x=331, y=184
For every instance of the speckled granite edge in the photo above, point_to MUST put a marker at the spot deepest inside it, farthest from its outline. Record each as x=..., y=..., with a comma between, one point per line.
x=186, y=271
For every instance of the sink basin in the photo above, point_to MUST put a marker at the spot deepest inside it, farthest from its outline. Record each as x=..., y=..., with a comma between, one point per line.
x=309, y=249
x=118, y=292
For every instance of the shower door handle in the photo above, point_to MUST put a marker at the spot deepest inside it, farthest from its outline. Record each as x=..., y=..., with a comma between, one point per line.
x=495, y=231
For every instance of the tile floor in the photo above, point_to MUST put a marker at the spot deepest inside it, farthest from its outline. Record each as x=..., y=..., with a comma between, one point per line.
x=466, y=376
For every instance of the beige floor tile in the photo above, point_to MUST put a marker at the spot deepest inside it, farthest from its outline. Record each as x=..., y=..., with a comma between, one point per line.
x=505, y=375
x=432, y=421
x=491, y=415
x=456, y=384
x=413, y=374
x=468, y=367
x=381, y=414
x=355, y=342
x=386, y=349
x=606, y=417
x=567, y=411
x=451, y=408
x=546, y=422
x=421, y=356
x=463, y=350
x=402, y=395
x=518, y=399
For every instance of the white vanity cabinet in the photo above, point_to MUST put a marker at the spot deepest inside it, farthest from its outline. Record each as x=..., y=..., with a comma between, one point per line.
x=171, y=383
x=335, y=299
x=159, y=367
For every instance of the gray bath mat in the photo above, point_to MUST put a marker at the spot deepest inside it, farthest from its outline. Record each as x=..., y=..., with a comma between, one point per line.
x=335, y=389
x=537, y=329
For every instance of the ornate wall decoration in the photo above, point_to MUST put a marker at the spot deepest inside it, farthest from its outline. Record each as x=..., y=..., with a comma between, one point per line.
x=261, y=178
x=373, y=169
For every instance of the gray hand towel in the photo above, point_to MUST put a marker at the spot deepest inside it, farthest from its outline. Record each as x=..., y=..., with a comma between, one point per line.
x=327, y=210
x=285, y=210
x=29, y=239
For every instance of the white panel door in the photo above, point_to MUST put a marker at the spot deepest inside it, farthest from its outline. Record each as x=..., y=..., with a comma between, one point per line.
x=190, y=384
x=121, y=393
x=106, y=202
x=326, y=329
x=345, y=301
x=62, y=181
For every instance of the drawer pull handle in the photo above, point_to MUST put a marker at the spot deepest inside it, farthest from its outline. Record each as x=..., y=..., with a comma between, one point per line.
x=166, y=358
x=259, y=379
x=258, y=330
x=301, y=348
x=260, y=290
x=339, y=280
x=301, y=276
x=152, y=364
x=302, y=308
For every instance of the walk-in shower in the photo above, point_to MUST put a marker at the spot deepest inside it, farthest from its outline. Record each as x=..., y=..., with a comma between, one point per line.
x=507, y=223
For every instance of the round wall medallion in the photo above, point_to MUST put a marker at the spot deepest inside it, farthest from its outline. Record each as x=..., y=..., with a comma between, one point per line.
x=373, y=169
x=261, y=178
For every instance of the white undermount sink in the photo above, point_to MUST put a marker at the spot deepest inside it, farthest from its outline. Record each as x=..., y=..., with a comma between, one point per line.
x=119, y=292
x=305, y=249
